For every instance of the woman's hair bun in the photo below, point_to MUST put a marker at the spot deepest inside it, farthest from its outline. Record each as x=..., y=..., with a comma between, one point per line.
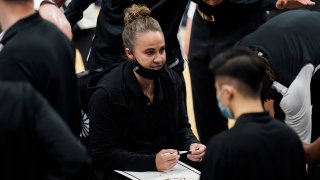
x=136, y=12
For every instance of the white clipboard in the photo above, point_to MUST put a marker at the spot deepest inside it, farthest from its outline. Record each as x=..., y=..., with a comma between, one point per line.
x=180, y=171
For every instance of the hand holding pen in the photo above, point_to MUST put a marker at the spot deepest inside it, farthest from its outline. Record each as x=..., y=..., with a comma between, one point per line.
x=166, y=159
x=197, y=152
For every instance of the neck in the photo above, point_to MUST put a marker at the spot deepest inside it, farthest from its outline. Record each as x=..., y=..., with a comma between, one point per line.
x=145, y=84
x=245, y=105
x=13, y=12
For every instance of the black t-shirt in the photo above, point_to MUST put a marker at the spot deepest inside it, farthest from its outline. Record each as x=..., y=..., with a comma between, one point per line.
x=257, y=147
x=289, y=40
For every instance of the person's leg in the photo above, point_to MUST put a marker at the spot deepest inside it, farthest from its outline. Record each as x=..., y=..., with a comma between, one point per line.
x=296, y=103
x=82, y=40
x=208, y=118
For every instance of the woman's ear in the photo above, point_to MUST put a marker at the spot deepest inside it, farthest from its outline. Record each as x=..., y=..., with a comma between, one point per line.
x=129, y=54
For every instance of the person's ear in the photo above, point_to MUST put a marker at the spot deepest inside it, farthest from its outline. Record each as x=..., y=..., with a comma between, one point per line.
x=229, y=90
x=129, y=54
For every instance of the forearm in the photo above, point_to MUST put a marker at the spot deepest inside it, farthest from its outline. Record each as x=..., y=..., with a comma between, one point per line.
x=312, y=151
x=114, y=158
x=106, y=138
x=106, y=150
x=236, y=5
x=316, y=149
x=75, y=9
x=262, y=4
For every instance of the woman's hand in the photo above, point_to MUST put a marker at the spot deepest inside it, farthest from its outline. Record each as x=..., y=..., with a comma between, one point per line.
x=197, y=152
x=166, y=159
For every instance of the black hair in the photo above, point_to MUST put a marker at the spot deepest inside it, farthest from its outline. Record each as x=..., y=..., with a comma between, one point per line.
x=243, y=66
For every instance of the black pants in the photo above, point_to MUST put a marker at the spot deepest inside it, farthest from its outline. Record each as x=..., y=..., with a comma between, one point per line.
x=82, y=39
x=207, y=40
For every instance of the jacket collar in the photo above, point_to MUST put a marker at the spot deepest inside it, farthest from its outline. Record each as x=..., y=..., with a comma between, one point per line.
x=132, y=84
x=262, y=117
x=20, y=25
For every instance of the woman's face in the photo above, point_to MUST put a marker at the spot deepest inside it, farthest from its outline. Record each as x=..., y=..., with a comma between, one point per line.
x=149, y=50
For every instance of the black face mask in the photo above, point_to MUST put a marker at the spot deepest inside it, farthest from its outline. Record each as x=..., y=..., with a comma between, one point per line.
x=146, y=73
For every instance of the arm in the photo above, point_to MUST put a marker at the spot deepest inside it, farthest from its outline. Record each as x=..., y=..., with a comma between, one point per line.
x=73, y=13
x=53, y=14
x=74, y=10
x=312, y=151
x=106, y=131
x=281, y=4
x=68, y=158
x=211, y=5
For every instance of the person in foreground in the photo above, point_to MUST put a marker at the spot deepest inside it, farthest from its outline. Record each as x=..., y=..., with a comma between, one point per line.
x=138, y=115
x=257, y=147
x=35, y=142
x=34, y=50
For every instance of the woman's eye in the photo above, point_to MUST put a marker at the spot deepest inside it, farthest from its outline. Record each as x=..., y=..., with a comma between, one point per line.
x=149, y=52
x=162, y=51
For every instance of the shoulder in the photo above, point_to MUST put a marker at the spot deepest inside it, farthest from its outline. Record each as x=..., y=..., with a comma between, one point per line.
x=170, y=76
x=109, y=84
x=14, y=90
x=111, y=78
x=219, y=148
x=41, y=38
x=223, y=140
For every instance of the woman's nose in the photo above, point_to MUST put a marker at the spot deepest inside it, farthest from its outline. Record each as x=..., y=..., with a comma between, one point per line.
x=160, y=58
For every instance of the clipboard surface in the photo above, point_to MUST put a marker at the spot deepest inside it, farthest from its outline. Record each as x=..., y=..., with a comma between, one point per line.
x=180, y=171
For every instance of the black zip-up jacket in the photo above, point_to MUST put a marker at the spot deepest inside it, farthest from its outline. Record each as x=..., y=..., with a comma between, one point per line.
x=126, y=131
